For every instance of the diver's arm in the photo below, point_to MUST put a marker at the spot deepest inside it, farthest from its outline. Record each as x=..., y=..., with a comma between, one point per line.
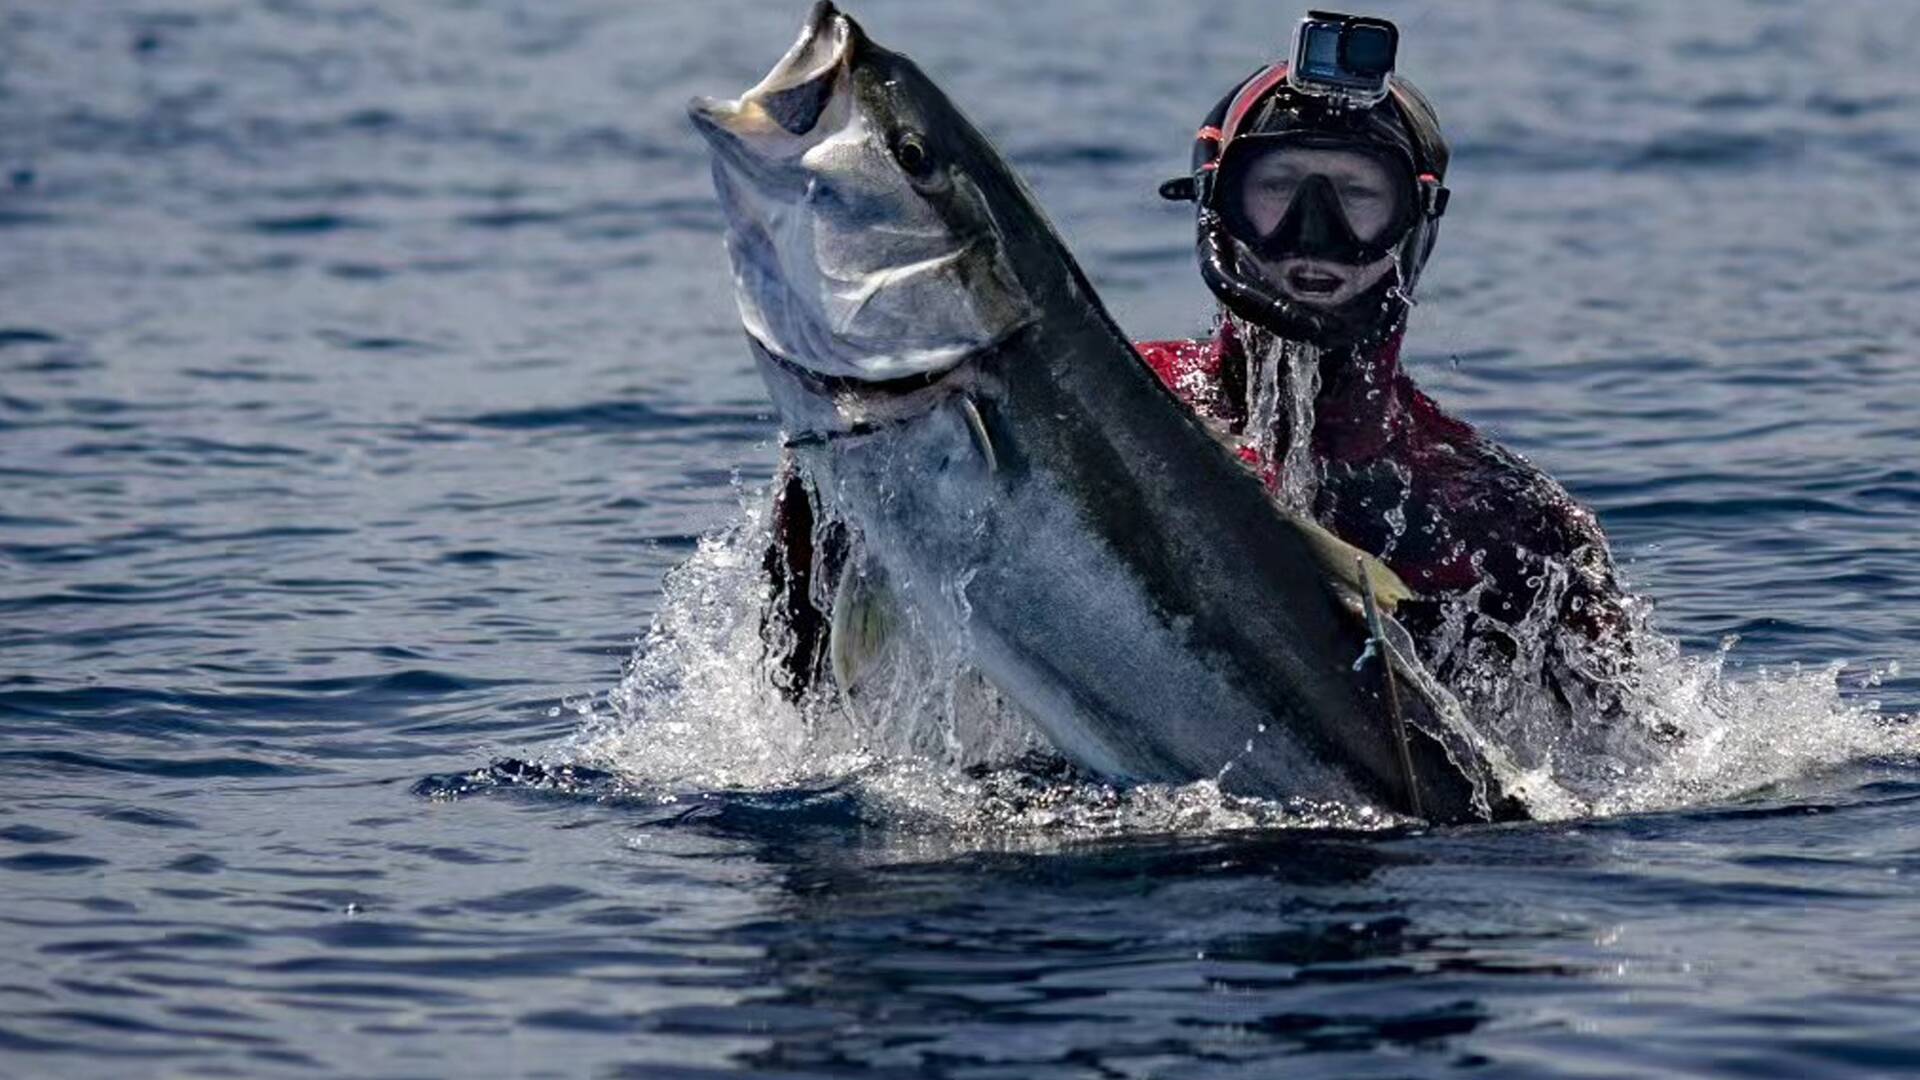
x=1543, y=546
x=1594, y=603
x=1594, y=644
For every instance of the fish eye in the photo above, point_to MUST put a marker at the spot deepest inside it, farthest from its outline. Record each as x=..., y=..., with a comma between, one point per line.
x=910, y=150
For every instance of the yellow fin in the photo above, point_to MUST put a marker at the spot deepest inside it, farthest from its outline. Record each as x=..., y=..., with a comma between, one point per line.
x=1337, y=557
x=978, y=425
x=862, y=620
x=1342, y=562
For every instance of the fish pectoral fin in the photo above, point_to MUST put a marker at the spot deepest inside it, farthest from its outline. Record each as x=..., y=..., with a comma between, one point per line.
x=977, y=424
x=863, y=619
x=1339, y=559
x=1345, y=564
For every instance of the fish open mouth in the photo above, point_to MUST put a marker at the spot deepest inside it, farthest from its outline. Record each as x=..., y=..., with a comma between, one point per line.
x=796, y=93
x=822, y=48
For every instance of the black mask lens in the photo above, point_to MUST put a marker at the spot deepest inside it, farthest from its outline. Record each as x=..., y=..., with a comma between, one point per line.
x=1327, y=201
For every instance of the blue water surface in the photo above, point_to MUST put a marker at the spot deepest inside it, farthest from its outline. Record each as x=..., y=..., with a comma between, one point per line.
x=365, y=367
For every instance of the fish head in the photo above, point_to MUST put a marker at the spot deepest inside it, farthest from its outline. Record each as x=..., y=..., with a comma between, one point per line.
x=863, y=239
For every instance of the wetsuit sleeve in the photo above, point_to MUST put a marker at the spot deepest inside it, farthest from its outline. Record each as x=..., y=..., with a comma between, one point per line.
x=1191, y=368
x=1537, y=566
x=1590, y=650
x=1593, y=607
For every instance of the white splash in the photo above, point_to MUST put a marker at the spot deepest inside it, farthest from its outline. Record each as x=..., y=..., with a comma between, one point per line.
x=1726, y=736
x=1674, y=730
x=696, y=709
x=931, y=748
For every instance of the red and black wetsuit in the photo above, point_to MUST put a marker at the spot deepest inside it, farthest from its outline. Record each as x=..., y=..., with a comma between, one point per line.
x=1481, y=534
x=1478, y=532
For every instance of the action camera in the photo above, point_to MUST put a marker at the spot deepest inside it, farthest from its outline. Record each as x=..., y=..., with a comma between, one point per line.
x=1346, y=57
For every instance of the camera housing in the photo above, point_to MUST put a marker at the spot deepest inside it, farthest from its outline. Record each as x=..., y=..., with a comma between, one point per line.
x=1347, y=58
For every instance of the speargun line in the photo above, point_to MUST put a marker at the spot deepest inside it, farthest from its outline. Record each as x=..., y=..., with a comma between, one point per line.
x=1401, y=741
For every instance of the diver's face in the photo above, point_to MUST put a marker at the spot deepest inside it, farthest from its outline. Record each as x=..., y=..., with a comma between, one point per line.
x=1367, y=196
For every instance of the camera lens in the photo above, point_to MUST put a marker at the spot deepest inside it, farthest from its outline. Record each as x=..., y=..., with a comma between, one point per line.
x=1369, y=51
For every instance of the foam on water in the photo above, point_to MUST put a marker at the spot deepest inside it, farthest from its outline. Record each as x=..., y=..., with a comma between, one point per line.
x=928, y=746
x=931, y=747
x=696, y=709
x=1736, y=735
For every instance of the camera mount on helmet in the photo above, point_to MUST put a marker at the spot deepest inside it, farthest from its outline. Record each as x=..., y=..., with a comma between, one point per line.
x=1347, y=59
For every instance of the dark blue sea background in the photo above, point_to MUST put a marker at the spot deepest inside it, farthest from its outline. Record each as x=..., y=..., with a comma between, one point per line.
x=366, y=367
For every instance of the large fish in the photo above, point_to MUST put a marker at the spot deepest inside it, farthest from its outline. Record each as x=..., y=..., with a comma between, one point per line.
x=963, y=401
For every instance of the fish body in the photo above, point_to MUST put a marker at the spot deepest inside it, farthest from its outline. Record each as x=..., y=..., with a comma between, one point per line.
x=962, y=399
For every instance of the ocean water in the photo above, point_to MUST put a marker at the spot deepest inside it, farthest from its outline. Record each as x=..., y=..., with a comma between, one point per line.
x=365, y=369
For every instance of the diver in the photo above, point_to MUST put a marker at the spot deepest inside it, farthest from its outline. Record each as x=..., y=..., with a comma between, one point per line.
x=1319, y=184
